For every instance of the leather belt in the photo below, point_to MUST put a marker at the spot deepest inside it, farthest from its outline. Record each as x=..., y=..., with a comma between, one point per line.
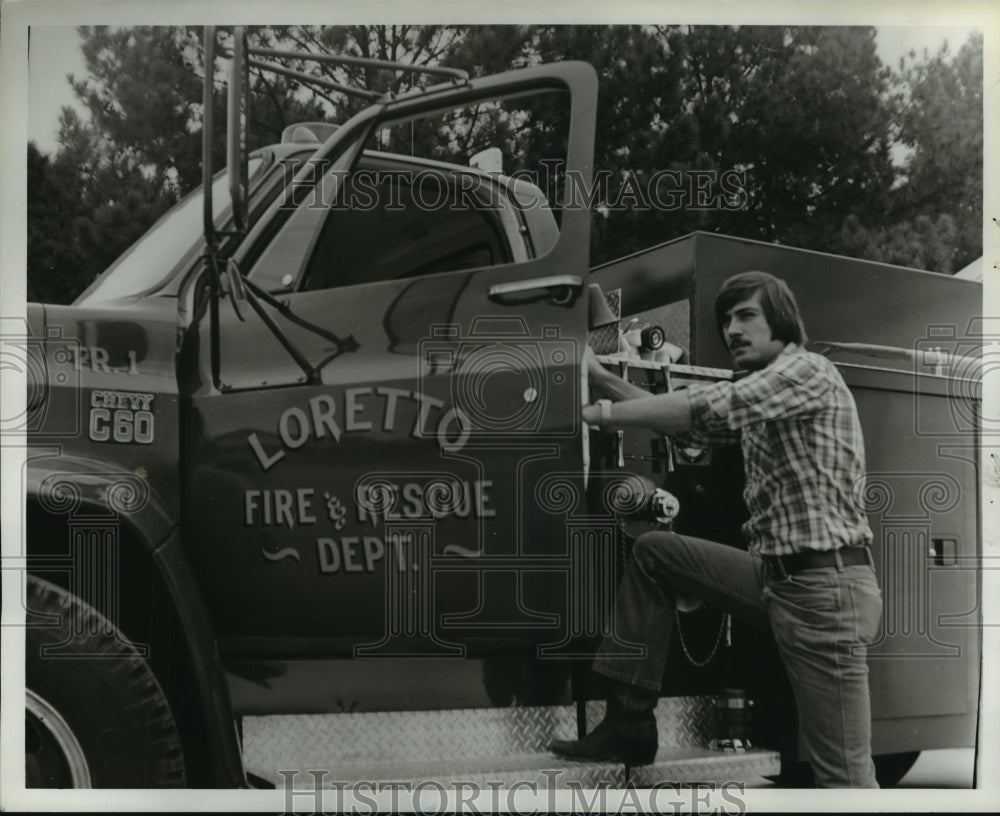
x=815, y=559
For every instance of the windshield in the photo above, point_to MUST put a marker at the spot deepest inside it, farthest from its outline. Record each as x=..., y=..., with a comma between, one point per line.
x=150, y=259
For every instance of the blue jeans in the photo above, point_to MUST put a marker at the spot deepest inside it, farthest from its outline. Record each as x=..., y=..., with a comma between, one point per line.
x=822, y=619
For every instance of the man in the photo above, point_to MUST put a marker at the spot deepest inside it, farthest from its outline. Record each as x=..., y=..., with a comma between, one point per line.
x=808, y=573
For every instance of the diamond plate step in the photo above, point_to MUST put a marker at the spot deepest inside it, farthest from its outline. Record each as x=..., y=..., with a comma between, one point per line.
x=331, y=740
x=694, y=764
x=542, y=771
x=502, y=745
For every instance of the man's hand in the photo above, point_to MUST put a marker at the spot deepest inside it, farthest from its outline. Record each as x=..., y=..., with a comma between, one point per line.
x=634, y=407
x=607, y=383
x=591, y=414
x=595, y=371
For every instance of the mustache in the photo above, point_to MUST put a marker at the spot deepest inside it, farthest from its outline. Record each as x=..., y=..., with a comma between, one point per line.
x=735, y=344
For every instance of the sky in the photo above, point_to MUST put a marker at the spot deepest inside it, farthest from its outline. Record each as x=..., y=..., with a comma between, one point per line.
x=55, y=52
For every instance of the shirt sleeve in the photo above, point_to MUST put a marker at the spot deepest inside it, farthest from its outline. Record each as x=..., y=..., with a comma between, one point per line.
x=700, y=435
x=794, y=385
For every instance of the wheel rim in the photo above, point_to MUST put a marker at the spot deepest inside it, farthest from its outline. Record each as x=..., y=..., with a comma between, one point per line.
x=56, y=755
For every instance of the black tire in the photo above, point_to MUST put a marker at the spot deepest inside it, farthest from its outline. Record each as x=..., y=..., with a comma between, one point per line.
x=96, y=715
x=891, y=768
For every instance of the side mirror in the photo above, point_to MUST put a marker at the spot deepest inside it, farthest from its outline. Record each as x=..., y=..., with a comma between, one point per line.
x=236, y=131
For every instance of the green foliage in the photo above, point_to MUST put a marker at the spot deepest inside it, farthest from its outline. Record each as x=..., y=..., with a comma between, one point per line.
x=834, y=151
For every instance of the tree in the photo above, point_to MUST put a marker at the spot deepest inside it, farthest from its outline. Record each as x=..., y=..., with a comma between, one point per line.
x=805, y=123
x=138, y=154
x=814, y=134
x=141, y=149
x=639, y=80
x=52, y=276
x=142, y=93
x=796, y=111
x=935, y=214
x=85, y=206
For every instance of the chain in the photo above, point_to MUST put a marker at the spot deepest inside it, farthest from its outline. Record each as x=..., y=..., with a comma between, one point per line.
x=715, y=648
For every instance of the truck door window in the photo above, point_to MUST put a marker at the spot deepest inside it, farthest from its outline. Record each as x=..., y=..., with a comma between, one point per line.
x=456, y=189
x=389, y=230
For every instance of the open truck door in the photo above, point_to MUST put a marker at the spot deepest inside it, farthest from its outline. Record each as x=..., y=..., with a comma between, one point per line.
x=370, y=417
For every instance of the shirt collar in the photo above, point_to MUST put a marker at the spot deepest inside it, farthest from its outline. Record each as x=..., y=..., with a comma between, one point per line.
x=790, y=348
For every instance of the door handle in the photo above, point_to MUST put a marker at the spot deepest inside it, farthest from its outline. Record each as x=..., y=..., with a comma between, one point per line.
x=561, y=290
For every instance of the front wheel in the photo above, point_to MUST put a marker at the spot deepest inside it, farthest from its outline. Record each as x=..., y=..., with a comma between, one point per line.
x=95, y=715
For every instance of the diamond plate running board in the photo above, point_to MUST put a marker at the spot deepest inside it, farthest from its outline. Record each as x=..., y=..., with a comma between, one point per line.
x=694, y=764
x=541, y=771
x=492, y=745
x=537, y=771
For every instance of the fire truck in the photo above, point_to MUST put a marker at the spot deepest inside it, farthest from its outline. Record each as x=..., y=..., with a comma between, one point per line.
x=309, y=499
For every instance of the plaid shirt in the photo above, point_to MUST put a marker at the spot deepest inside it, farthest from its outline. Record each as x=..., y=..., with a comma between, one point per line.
x=803, y=452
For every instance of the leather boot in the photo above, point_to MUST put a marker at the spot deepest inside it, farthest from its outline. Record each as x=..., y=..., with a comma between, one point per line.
x=626, y=734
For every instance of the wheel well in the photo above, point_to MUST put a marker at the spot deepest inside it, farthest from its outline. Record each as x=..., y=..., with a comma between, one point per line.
x=144, y=611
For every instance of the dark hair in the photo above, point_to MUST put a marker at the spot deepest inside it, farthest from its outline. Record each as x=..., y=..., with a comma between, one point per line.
x=780, y=309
